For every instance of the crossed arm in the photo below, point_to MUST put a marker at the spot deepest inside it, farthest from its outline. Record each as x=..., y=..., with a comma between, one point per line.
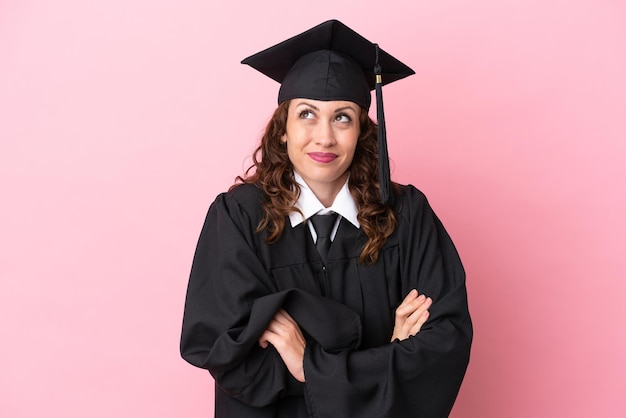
x=285, y=335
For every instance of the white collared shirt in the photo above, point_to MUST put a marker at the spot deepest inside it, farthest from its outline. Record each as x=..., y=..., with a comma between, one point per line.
x=344, y=205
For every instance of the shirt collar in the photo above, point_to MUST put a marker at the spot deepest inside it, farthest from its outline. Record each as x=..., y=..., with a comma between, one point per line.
x=309, y=204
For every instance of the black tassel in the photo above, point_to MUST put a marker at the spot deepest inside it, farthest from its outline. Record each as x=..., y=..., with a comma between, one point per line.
x=386, y=194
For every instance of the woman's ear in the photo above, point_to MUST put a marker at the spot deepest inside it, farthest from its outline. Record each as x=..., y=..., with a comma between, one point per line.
x=283, y=138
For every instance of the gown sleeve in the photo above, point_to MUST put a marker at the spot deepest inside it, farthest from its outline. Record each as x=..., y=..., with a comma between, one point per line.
x=230, y=301
x=226, y=278
x=419, y=376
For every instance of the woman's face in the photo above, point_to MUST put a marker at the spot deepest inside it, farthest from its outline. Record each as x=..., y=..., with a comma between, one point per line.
x=321, y=137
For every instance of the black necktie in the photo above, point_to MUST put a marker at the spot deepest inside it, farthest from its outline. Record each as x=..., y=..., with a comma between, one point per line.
x=323, y=225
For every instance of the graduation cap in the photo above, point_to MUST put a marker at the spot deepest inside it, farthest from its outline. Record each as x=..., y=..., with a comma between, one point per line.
x=332, y=62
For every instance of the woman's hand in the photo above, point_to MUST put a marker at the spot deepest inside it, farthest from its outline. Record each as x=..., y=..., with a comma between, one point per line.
x=285, y=335
x=411, y=315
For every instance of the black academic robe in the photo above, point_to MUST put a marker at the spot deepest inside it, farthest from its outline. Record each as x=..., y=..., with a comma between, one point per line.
x=346, y=311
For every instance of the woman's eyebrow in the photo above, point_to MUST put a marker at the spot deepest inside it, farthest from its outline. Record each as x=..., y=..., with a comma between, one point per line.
x=307, y=104
x=341, y=109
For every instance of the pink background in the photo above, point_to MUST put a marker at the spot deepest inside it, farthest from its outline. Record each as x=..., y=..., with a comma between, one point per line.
x=121, y=120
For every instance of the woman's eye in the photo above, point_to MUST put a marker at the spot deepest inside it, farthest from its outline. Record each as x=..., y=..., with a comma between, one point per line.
x=306, y=114
x=343, y=118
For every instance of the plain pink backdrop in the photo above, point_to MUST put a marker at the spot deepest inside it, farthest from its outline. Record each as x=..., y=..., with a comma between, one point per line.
x=121, y=120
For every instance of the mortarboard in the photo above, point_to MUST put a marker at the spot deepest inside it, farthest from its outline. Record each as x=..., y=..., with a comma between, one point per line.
x=332, y=62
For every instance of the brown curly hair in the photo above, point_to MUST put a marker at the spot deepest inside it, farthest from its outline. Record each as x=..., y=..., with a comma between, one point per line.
x=272, y=171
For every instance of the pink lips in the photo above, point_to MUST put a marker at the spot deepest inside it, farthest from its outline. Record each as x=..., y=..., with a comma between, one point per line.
x=322, y=157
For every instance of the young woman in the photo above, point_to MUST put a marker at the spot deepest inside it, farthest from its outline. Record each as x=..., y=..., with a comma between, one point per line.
x=313, y=294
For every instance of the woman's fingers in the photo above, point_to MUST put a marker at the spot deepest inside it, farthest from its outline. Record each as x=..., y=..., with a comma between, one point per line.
x=418, y=325
x=404, y=308
x=282, y=325
x=285, y=335
x=416, y=318
x=411, y=315
x=408, y=307
x=411, y=304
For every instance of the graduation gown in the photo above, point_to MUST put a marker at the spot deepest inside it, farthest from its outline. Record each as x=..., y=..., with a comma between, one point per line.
x=346, y=311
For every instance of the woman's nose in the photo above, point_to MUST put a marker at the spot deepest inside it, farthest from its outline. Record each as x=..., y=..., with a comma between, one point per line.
x=324, y=135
